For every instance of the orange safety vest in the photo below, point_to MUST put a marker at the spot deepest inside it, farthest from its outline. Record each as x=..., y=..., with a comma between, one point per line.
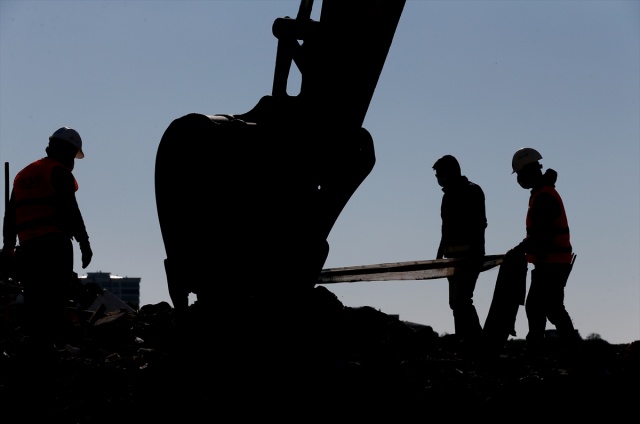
x=34, y=198
x=561, y=248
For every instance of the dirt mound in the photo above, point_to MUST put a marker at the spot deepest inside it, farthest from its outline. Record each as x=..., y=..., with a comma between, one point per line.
x=299, y=361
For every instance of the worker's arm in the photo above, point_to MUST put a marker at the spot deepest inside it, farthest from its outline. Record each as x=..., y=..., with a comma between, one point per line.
x=9, y=230
x=70, y=215
x=544, y=211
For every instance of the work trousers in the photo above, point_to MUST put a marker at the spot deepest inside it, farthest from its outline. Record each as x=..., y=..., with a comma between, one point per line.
x=461, y=287
x=545, y=301
x=46, y=274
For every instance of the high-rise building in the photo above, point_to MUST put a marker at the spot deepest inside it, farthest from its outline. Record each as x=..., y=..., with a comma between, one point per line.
x=125, y=288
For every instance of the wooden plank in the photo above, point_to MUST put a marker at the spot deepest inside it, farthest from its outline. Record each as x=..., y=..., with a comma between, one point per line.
x=397, y=271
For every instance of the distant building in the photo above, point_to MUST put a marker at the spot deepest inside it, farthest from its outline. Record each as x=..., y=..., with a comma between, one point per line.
x=126, y=288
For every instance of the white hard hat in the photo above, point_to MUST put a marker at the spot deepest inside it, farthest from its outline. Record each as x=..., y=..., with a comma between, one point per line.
x=524, y=157
x=71, y=136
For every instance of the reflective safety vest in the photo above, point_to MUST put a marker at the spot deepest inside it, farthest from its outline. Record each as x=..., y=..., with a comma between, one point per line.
x=35, y=202
x=560, y=251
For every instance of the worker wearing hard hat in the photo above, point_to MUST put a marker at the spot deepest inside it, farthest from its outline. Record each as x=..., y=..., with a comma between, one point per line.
x=43, y=215
x=547, y=246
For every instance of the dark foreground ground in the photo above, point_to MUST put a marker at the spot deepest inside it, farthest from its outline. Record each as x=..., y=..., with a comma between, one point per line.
x=315, y=361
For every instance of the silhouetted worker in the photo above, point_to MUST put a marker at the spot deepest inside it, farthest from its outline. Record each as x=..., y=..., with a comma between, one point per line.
x=44, y=216
x=548, y=247
x=463, y=226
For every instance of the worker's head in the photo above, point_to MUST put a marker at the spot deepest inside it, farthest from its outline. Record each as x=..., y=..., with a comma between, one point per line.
x=447, y=168
x=523, y=157
x=526, y=166
x=67, y=140
x=65, y=145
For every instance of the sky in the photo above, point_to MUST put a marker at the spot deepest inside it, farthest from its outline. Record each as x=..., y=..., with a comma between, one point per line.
x=477, y=79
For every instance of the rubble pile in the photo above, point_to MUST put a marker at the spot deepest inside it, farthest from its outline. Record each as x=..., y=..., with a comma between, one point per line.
x=302, y=362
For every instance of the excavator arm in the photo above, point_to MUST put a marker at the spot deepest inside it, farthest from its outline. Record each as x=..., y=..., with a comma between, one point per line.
x=240, y=196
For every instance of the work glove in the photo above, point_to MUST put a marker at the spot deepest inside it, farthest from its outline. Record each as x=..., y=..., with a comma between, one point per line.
x=7, y=252
x=7, y=255
x=87, y=254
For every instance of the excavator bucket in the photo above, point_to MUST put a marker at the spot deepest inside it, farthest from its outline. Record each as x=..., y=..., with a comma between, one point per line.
x=246, y=201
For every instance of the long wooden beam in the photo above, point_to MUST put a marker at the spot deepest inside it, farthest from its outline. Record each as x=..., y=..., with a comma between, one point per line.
x=396, y=271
